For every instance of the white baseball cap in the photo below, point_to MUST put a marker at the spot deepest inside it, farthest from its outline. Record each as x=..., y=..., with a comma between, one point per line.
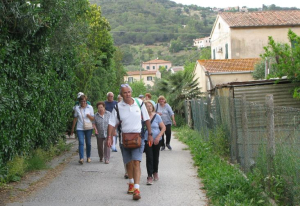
x=79, y=95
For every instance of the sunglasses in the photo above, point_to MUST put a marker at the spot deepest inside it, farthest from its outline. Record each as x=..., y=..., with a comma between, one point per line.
x=124, y=85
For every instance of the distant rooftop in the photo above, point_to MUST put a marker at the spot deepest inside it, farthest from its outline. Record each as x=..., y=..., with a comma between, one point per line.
x=156, y=61
x=129, y=73
x=262, y=18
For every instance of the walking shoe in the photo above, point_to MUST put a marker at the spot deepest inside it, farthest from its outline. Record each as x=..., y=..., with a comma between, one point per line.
x=126, y=176
x=162, y=148
x=114, y=150
x=155, y=175
x=130, y=188
x=136, y=194
x=101, y=160
x=169, y=147
x=88, y=160
x=80, y=161
x=149, y=180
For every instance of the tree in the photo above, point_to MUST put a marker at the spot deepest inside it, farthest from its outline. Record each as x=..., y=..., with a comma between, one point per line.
x=205, y=53
x=286, y=59
x=95, y=73
x=175, y=46
x=138, y=87
x=259, y=70
x=178, y=87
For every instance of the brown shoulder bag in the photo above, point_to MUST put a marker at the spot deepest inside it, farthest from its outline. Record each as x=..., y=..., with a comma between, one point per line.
x=131, y=140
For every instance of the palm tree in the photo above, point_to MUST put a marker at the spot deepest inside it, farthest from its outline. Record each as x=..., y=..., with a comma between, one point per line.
x=178, y=87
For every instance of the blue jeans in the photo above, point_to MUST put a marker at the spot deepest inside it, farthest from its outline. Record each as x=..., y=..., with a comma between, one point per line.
x=87, y=134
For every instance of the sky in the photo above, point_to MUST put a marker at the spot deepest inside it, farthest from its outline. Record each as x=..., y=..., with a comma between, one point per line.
x=247, y=3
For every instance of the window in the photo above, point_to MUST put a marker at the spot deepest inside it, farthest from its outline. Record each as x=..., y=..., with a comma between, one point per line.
x=149, y=78
x=148, y=67
x=130, y=79
x=226, y=51
x=153, y=67
x=166, y=66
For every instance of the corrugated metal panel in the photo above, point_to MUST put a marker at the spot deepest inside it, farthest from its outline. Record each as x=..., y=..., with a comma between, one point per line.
x=282, y=94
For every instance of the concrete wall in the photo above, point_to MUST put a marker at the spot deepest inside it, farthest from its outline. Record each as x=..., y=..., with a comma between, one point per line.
x=230, y=77
x=249, y=42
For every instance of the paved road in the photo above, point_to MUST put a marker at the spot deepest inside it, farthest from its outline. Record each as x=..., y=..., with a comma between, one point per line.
x=102, y=184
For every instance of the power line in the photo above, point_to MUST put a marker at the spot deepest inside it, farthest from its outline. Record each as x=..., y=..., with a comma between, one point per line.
x=136, y=32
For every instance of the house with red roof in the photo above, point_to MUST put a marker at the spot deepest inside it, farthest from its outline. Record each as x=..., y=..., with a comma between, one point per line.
x=237, y=35
x=214, y=72
x=153, y=65
x=146, y=76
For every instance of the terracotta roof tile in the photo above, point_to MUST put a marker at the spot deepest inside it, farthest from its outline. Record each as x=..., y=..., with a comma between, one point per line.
x=229, y=65
x=143, y=73
x=156, y=61
x=262, y=18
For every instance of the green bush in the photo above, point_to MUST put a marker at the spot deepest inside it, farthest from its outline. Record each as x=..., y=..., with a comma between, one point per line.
x=37, y=161
x=16, y=168
x=180, y=121
x=36, y=81
x=62, y=146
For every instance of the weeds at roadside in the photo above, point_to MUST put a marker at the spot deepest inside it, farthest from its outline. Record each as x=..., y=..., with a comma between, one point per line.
x=225, y=184
x=17, y=167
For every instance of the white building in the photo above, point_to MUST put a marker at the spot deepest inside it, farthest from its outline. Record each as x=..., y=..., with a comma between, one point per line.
x=202, y=42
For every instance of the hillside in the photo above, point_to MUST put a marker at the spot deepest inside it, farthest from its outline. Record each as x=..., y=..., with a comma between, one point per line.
x=150, y=21
x=148, y=29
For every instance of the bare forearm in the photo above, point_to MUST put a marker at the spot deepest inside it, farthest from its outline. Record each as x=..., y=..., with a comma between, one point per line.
x=110, y=130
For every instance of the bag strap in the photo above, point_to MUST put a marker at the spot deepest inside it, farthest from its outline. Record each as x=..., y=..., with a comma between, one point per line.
x=152, y=119
x=156, y=107
x=117, y=110
x=138, y=103
x=118, y=116
x=82, y=116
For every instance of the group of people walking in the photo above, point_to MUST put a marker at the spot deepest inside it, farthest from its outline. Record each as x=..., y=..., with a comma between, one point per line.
x=140, y=126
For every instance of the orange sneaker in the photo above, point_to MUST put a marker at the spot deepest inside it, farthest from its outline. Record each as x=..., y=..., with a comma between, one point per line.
x=136, y=194
x=130, y=188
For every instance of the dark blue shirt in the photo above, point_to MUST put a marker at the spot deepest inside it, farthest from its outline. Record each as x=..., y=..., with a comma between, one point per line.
x=109, y=106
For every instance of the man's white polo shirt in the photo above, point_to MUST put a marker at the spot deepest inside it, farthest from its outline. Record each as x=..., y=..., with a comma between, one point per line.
x=130, y=116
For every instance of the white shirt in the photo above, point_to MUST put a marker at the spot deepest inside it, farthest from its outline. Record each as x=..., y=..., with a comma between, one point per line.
x=81, y=113
x=130, y=116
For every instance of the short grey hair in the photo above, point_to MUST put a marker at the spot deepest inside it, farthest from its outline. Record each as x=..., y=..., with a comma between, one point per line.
x=109, y=93
x=124, y=85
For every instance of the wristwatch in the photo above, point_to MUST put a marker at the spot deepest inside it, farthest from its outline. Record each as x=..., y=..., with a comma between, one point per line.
x=150, y=134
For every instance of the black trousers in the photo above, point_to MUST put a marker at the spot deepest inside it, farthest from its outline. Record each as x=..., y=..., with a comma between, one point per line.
x=152, y=158
x=168, y=135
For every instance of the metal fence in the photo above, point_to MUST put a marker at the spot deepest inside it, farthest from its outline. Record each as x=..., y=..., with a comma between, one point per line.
x=259, y=135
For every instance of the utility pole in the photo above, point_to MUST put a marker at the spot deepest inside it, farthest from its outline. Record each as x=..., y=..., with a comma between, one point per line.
x=266, y=67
